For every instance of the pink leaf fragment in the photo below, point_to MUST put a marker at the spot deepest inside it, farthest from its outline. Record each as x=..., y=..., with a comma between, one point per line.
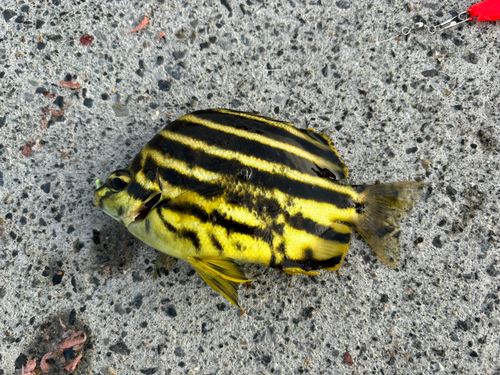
x=72, y=365
x=161, y=35
x=61, y=323
x=71, y=85
x=44, y=366
x=141, y=26
x=30, y=366
x=69, y=339
x=75, y=341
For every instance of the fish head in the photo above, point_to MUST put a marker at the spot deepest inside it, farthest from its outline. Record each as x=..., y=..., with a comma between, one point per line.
x=125, y=199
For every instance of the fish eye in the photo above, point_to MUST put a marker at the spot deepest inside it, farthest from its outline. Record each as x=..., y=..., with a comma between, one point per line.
x=117, y=184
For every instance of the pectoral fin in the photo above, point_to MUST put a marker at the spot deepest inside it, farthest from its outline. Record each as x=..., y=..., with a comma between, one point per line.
x=163, y=262
x=221, y=274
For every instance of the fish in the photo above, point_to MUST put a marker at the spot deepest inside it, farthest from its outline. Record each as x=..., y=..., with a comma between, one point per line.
x=219, y=188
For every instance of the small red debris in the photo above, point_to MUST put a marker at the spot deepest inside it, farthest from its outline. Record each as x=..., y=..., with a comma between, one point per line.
x=56, y=112
x=74, y=340
x=161, y=35
x=348, y=359
x=72, y=365
x=86, y=40
x=57, y=278
x=43, y=362
x=47, y=94
x=70, y=339
x=71, y=85
x=43, y=123
x=28, y=148
x=30, y=366
x=141, y=26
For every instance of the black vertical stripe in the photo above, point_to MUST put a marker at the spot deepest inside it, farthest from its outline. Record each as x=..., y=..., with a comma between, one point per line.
x=136, y=164
x=138, y=192
x=272, y=261
x=281, y=248
x=216, y=218
x=322, y=231
x=167, y=225
x=270, y=131
x=189, y=209
x=232, y=225
x=230, y=168
x=150, y=169
x=330, y=263
x=182, y=233
x=252, y=148
x=308, y=263
x=216, y=243
x=192, y=236
x=333, y=235
x=184, y=182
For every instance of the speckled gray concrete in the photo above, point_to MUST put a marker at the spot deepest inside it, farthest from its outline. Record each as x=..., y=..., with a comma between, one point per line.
x=424, y=108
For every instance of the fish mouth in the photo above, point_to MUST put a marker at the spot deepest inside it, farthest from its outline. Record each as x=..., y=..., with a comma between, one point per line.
x=147, y=207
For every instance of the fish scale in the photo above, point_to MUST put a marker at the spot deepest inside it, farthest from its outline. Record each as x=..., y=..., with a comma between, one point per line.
x=218, y=187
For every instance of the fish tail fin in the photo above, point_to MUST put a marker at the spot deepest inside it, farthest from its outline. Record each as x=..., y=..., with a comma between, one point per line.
x=380, y=208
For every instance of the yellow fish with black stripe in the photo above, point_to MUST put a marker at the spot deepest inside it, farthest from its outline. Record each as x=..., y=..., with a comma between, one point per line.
x=220, y=187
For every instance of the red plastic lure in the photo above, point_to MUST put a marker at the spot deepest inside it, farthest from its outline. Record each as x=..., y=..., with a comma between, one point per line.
x=487, y=10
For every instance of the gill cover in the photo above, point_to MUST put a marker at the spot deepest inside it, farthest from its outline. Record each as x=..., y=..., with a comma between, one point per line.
x=122, y=198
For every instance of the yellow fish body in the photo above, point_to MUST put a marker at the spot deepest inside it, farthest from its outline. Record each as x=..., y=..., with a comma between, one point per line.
x=220, y=187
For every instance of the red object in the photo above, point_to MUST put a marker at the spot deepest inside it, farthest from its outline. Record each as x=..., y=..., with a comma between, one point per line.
x=86, y=40
x=72, y=365
x=56, y=113
x=141, y=26
x=71, y=85
x=28, y=148
x=487, y=10
x=348, y=359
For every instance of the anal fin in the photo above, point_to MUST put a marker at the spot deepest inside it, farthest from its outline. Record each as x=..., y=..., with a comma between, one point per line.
x=299, y=271
x=221, y=274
